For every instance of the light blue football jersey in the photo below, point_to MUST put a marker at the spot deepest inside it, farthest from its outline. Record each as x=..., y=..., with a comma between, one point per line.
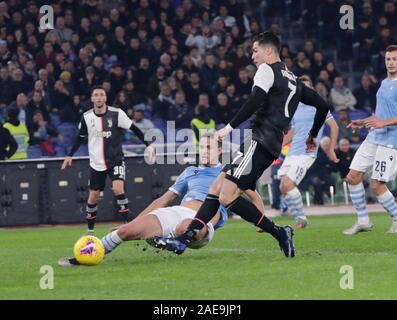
x=386, y=108
x=302, y=122
x=193, y=184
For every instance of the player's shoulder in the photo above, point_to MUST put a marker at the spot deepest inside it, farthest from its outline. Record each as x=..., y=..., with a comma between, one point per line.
x=88, y=112
x=264, y=68
x=113, y=109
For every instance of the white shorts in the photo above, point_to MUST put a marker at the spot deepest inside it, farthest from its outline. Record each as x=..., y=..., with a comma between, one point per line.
x=385, y=164
x=171, y=217
x=295, y=167
x=381, y=160
x=364, y=158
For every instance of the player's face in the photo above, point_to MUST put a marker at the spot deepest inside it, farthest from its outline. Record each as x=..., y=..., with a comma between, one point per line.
x=209, y=151
x=98, y=98
x=391, y=62
x=259, y=53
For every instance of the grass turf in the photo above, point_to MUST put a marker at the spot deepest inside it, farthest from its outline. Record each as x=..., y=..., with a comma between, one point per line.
x=238, y=264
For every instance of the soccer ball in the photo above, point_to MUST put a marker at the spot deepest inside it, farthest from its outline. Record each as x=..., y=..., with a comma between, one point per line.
x=89, y=251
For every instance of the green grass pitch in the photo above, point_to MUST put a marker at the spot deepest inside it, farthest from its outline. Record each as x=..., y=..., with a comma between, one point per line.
x=238, y=264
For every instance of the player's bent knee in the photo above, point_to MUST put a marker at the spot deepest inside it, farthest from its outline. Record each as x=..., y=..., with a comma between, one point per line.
x=353, y=178
x=378, y=187
x=94, y=196
x=129, y=231
x=286, y=185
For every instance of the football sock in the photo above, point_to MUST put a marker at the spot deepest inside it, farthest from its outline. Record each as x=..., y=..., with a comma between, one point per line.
x=207, y=211
x=92, y=211
x=249, y=212
x=389, y=204
x=111, y=241
x=357, y=194
x=122, y=206
x=294, y=202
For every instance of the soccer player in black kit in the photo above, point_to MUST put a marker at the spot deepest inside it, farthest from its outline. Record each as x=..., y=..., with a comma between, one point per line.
x=104, y=127
x=274, y=99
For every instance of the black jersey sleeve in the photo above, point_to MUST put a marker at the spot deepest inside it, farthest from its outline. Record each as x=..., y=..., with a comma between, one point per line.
x=138, y=133
x=81, y=137
x=255, y=100
x=312, y=98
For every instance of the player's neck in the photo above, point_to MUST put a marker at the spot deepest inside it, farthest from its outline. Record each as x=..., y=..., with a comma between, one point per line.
x=391, y=76
x=273, y=59
x=100, y=111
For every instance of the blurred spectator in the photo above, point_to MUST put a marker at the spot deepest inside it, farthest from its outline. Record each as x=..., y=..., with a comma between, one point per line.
x=202, y=121
x=20, y=105
x=163, y=102
x=341, y=97
x=36, y=103
x=319, y=175
x=19, y=132
x=209, y=71
x=143, y=124
x=8, y=145
x=243, y=84
x=203, y=40
x=229, y=21
x=194, y=88
x=366, y=93
x=180, y=111
x=346, y=133
x=122, y=101
x=345, y=155
x=41, y=133
x=322, y=90
x=224, y=110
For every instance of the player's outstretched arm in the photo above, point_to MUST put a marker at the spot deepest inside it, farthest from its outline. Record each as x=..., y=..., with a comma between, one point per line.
x=255, y=100
x=334, y=134
x=312, y=98
x=80, y=139
x=150, y=150
x=164, y=201
x=373, y=122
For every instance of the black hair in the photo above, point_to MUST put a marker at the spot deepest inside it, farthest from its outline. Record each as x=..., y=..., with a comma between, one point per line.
x=268, y=38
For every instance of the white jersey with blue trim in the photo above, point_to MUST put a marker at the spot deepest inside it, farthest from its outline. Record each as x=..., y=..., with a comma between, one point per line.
x=302, y=122
x=193, y=184
x=386, y=108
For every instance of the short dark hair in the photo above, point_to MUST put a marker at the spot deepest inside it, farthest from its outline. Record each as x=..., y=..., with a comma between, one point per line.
x=97, y=88
x=268, y=38
x=391, y=48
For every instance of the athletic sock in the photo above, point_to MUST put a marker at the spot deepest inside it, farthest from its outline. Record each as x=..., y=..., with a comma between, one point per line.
x=111, y=241
x=92, y=211
x=249, y=212
x=389, y=204
x=122, y=206
x=294, y=202
x=357, y=194
x=207, y=211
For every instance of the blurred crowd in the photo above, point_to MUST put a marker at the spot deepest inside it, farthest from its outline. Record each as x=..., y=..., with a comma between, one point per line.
x=181, y=60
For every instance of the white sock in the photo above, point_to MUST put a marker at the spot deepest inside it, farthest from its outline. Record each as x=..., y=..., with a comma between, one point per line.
x=357, y=194
x=111, y=241
x=388, y=202
x=294, y=202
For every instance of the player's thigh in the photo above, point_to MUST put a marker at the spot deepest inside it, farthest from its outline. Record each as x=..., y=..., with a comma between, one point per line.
x=295, y=168
x=117, y=176
x=216, y=186
x=248, y=166
x=97, y=183
x=170, y=217
x=364, y=157
x=385, y=164
x=144, y=227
